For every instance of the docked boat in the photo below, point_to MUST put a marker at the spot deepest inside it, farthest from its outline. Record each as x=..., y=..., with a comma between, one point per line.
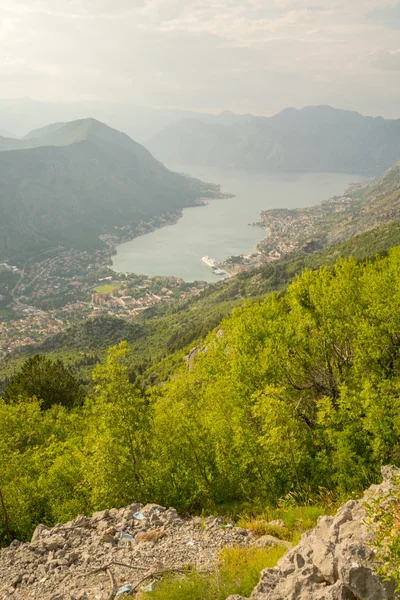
x=211, y=262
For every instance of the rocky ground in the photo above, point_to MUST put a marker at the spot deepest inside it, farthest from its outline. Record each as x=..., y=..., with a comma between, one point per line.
x=89, y=558
x=99, y=558
x=333, y=561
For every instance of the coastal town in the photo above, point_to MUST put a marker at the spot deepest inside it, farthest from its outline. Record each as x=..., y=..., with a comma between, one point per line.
x=44, y=296
x=35, y=316
x=287, y=231
x=63, y=286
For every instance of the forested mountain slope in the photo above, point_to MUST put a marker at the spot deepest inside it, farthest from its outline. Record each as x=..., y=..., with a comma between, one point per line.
x=312, y=139
x=79, y=180
x=295, y=394
x=164, y=332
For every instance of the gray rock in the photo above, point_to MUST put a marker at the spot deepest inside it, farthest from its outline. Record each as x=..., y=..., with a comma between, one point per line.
x=150, y=509
x=101, y=515
x=69, y=562
x=82, y=521
x=333, y=561
x=53, y=543
x=39, y=531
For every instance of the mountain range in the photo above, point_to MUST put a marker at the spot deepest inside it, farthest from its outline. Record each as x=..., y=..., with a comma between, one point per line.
x=140, y=122
x=68, y=183
x=313, y=139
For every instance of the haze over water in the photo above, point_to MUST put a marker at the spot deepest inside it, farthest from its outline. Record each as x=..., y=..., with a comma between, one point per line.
x=222, y=229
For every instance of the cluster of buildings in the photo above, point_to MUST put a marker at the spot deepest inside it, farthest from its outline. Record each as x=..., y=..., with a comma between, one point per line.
x=86, y=294
x=6, y=267
x=118, y=300
x=288, y=231
x=57, y=280
x=30, y=329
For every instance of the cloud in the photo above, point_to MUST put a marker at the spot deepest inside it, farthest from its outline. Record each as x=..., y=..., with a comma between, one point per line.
x=202, y=53
x=387, y=60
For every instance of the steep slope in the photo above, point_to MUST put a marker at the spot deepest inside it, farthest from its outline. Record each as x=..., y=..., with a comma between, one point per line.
x=333, y=561
x=311, y=139
x=81, y=179
x=171, y=330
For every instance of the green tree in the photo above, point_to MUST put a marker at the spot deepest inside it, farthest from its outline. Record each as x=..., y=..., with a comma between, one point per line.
x=118, y=466
x=49, y=381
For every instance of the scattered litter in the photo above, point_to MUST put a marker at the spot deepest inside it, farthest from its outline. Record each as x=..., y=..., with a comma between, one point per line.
x=139, y=516
x=228, y=525
x=157, y=511
x=126, y=536
x=190, y=543
x=109, y=531
x=124, y=590
x=147, y=588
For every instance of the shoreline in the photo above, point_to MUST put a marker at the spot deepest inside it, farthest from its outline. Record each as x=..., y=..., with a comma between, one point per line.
x=149, y=226
x=290, y=230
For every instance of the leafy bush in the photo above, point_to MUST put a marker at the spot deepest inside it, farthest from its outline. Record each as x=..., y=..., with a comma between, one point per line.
x=384, y=522
x=296, y=403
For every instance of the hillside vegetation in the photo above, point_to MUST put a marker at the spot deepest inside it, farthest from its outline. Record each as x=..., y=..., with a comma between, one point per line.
x=318, y=138
x=74, y=181
x=161, y=334
x=296, y=394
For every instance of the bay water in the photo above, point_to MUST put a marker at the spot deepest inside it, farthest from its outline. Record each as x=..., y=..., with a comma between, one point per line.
x=221, y=228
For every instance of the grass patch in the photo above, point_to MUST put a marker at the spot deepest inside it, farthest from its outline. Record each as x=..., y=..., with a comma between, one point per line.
x=107, y=288
x=238, y=572
x=297, y=520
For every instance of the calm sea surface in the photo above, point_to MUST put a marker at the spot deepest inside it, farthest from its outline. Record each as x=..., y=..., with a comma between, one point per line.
x=222, y=229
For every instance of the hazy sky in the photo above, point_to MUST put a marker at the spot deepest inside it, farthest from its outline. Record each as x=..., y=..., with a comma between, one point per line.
x=246, y=55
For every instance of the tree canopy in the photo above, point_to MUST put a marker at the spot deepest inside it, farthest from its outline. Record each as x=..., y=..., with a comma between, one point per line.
x=47, y=380
x=298, y=394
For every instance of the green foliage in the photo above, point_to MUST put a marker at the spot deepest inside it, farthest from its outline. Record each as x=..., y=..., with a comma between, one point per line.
x=294, y=400
x=296, y=392
x=238, y=572
x=118, y=435
x=51, y=382
x=384, y=522
x=41, y=476
x=296, y=519
x=159, y=335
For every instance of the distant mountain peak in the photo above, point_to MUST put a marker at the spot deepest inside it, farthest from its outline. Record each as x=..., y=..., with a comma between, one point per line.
x=309, y=139
x=81, y=179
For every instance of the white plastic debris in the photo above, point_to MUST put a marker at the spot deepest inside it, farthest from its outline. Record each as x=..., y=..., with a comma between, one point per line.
x=126, y=536
x=124, y=590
